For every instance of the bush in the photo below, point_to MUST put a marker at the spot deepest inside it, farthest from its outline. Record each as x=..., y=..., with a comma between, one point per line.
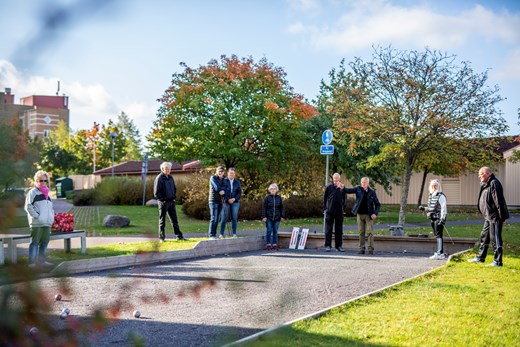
x=84, y=197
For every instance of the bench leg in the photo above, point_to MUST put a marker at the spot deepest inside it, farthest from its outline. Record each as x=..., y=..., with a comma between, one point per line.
x=83, y=244
x=66, y=245
x=2, y=252
x=11, y=251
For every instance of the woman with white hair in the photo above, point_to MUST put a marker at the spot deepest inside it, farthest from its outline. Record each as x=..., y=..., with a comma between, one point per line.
x=40, y=214
x=272, y=213
x=437, y=211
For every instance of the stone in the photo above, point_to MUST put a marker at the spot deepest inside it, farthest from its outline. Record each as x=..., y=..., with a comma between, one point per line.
x=152, y=202
x=113, y=221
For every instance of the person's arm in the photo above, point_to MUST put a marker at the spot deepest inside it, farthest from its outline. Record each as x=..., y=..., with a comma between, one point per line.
x=157, y=188
x=238, y=190
x=282, y=209
x=29, y=207
x=497, y=194
x=444, y=208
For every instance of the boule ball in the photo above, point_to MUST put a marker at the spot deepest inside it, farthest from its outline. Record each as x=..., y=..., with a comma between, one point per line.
x=137, y=313
x=63, y=315
x=57, y=297
x=66, y=310
x=34, y=331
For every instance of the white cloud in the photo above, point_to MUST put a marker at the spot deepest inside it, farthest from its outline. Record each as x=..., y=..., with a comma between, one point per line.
x=367, y=23
x=510, y=68
x=88, y=103
x=304, y=5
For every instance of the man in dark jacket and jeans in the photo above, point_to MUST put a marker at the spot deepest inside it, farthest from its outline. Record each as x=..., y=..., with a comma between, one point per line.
x=366, y=208
x=165, y=192
x=492, y=205
x=333, y=203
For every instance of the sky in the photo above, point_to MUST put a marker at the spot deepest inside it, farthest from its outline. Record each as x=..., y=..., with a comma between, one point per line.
x=111, y=56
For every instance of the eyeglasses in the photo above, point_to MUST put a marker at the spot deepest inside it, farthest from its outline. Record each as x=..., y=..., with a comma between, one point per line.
x=44, y=181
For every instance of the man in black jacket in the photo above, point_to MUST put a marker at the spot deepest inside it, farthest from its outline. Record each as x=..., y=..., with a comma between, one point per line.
x=366, y=208
x=333, y=202
x=493, y=207
x=165, y=192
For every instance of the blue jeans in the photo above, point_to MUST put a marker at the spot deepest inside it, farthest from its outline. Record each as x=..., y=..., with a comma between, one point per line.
x=234, y=217
x=39, y=240
x=272, y=228
x=215, y=210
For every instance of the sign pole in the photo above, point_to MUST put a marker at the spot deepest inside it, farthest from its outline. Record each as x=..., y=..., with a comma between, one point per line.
x=326, y=184
x=327, y=149
x=144, y=171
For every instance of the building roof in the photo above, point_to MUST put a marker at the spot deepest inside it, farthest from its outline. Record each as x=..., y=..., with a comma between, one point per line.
x=134, y=167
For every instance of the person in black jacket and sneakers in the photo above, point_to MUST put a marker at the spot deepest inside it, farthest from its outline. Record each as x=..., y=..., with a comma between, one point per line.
x=333, y=203
x=492, y=205
x=437, y=210
x=366, y=208
x=165, y=192
x=272, y=213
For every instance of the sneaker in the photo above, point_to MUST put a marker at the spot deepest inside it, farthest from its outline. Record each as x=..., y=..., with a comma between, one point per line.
x=494, y=264
x=46, y=263
x=181, y=238
x=221, y=236
x=370, y=252
x=161, y=240
x=361, y=251
x=437, y=256
x=213, y=238
x=234, y=236
x=268, y=247
x=328, y=249
x=475, y=260
x=275, y=248
x=340, y=249
x=32, y=265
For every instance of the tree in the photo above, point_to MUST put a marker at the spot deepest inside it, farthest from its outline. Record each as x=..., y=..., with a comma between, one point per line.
x=414, y=103
x=132, y=138
x=18, y=153
x=235, y=112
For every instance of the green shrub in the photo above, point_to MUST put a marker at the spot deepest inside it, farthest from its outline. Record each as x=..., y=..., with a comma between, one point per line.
x=84, y=197
x=69, y=194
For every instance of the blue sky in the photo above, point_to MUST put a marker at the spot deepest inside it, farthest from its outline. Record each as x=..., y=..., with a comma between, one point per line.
x=113, y=56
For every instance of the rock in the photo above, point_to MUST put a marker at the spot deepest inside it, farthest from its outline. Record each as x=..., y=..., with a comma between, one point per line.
x=152, y=202
x=111, y=221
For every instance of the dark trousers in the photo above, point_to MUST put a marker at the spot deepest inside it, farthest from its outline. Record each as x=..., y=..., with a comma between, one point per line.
x=335, y=220
x=492, y=230
x=438, y=231
x=168, y=207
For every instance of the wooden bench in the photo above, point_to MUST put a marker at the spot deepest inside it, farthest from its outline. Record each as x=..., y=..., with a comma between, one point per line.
x=12, y=241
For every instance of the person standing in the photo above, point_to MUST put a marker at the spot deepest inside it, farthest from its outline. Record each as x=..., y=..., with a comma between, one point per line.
x=217, y=196
x=333, y=203
x=492, y=205
x=40, y=214
x=366, y=208
x=232, y=203
x=272, y=213
x=437, y=212
x=165, y=192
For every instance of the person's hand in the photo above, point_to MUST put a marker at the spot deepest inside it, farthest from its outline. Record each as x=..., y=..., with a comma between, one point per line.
x=264, y=219
x=442, y=221
x=232, y=200
x=374, y=216
x=221, y=192
x=422, y=208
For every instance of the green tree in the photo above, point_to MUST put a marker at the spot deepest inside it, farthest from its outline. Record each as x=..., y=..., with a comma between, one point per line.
x=18, y=153
x=415, y=101
x=235, y=112
x=132, y=137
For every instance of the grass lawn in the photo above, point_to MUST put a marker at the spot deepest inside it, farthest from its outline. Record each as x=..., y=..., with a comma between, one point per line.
x=459, y=304
x=144, y=219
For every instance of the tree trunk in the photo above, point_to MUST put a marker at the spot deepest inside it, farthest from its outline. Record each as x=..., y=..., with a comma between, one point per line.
x=421, y=192
x=405, y=189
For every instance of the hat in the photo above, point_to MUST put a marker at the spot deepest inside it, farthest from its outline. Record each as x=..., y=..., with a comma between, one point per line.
x=220, y=168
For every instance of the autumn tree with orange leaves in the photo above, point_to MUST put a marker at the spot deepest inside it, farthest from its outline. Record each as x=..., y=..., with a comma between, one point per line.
x=234, y=112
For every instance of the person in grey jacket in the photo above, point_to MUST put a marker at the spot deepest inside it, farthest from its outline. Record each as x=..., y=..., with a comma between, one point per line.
x=40, y=214
x=492, y=205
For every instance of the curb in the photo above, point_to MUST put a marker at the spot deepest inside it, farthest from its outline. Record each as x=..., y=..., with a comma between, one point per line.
x=326, y=310
x=201, y=249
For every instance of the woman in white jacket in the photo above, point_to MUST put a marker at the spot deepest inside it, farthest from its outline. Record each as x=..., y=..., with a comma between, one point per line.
x=40, y=214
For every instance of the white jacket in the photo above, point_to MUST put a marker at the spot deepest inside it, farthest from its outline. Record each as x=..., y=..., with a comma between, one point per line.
x=40, y=211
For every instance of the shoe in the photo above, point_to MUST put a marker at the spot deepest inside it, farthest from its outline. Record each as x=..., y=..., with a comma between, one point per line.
x=475, y=260
x=213, y=238
x=494, y=264
x=234, y=236
x=437, y=256
x=370, y=252
x=181, y=238
x=221, y=236
x=275, y=248
x=32, y=265
x=328, y=249
x=46, y=263
x=361, y=251
x=268, y=248
x=340, y=249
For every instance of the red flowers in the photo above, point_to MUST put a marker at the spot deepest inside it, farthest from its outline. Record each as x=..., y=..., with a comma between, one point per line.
x=63, y=222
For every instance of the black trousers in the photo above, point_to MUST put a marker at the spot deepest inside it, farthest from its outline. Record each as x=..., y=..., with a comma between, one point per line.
x=438, y=231
x=491, y=231
x=168, y=207
x=336, y=221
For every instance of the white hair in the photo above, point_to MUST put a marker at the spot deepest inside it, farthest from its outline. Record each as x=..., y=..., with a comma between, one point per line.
x=39, y=174
x=437, y=183
x=166, y=164
x=273, y=185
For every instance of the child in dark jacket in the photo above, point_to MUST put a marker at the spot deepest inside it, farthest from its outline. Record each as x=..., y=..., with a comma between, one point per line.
x=272, y=213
